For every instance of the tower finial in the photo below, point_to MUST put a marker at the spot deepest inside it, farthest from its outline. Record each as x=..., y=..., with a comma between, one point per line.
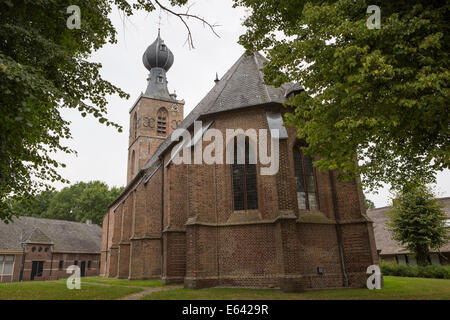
x=159, y=22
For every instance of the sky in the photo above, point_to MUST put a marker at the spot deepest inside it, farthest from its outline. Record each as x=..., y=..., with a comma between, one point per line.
x=102, y=151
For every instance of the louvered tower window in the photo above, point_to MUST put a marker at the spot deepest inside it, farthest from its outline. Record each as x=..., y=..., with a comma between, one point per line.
x=305, y=181
x=162, y=122
x=245, y=194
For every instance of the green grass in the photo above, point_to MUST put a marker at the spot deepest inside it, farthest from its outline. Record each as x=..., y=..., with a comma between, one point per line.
x=394, y=288
x=97, y=288
x=123, y=282
x=57, y=290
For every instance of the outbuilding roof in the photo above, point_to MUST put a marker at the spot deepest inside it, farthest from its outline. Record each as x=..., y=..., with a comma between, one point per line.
x=66, y=236
x=383, y=237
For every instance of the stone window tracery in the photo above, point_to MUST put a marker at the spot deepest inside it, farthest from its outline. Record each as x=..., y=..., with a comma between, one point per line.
x=305, y=181
x=245, y=194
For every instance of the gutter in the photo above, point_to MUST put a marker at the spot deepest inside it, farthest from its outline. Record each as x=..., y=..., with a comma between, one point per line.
x=51, y=263
x=107, y=248
x=162, y=216
x=338, y=229
x=23, y=262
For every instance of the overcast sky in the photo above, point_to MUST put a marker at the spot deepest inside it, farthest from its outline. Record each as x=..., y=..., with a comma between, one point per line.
x=102, y=151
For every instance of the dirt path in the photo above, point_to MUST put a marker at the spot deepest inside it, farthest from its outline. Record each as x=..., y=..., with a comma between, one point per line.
x=147, y=291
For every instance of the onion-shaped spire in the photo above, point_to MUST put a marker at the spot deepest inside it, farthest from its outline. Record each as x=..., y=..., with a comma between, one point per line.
x=158, y=55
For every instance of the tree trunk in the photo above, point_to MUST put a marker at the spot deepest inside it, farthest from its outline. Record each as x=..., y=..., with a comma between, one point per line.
x=422, y=254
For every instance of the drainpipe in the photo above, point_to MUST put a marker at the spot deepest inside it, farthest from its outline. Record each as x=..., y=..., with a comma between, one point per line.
x=162, y=216
x=23, y=261
x=338, y=229
x=107, y=247
x=51, y=261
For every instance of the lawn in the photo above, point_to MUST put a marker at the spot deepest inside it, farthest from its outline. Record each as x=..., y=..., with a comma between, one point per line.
x=123, y=282
x=97, y=288
x=394, y=288
x=92, y=288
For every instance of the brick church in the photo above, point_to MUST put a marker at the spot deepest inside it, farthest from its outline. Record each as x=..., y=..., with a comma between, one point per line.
x=226, y=224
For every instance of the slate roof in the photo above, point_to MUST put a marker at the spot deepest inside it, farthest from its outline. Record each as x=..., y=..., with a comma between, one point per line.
x=37, y=236
x=66, y=236
x=242, y=86
x=383, y=238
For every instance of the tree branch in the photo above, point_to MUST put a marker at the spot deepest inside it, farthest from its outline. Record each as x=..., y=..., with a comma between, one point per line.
x=183, y=17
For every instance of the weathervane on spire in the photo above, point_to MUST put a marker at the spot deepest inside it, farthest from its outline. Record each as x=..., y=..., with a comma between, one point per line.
x=159, y=20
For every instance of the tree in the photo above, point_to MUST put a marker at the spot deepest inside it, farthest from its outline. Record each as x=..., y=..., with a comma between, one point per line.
x=377, y=97
x=417, y=221
x=79, y=202
x=43, y=68
x=369, y=204
x=82, y=201
x=34, y=206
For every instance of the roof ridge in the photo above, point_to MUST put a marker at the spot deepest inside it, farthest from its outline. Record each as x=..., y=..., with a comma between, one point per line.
x=260, y=74
x=57, y=220
x=233, y=68
x=385, y=207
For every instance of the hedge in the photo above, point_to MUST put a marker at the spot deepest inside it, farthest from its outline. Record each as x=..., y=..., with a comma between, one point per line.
x=404, y=270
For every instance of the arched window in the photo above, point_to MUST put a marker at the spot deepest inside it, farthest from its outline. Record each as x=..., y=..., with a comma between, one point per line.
x=135, y=125
x=162, y=122
x=133, y=160
x=305, y=181
x=245, y=194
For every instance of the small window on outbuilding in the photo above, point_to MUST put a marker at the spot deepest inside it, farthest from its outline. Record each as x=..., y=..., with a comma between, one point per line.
x=434, y=259
x=6, y=265
x=61, y=264
x=75, y=262
x=401, y=258
x=89, y=264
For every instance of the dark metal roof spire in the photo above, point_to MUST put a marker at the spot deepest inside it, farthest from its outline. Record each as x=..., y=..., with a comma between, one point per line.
x=217, y=78
x=158, y=59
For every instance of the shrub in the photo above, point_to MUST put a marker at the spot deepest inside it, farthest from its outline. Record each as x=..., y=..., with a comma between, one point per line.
x=404, y=270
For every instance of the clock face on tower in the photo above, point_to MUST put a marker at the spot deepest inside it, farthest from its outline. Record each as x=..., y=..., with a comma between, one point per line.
x=175, y=107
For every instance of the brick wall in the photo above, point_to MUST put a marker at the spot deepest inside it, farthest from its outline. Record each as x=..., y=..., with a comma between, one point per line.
x=146, y=139
x=50, y=259
x=207, y=243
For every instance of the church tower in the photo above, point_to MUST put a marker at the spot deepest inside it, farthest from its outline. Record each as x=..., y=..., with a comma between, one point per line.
x=156, y=113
